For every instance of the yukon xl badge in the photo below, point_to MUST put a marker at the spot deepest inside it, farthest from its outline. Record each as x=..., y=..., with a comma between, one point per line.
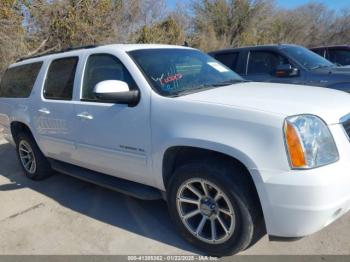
x=130, y=148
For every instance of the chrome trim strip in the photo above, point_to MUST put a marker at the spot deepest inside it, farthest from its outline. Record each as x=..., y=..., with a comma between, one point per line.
x=247, y=64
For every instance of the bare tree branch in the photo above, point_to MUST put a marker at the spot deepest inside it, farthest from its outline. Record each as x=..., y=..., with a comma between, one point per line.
x=42, y=44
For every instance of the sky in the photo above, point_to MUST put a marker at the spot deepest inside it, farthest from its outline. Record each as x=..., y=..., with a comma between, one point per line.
x=333, y=4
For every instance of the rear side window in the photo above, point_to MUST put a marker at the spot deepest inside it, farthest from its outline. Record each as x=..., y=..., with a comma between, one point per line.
x=18, y=81
x=60, y=79
x=228, y=59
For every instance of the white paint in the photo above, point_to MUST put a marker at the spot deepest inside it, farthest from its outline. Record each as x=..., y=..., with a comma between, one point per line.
x=111, y=86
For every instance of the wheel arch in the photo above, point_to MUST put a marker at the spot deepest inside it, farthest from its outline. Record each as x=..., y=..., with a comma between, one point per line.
x=178, y=155
x=17, y=127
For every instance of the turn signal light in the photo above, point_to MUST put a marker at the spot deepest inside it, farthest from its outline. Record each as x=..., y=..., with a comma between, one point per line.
x=295, y=148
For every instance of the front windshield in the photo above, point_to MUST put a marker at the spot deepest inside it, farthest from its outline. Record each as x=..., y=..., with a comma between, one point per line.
x=306, y=58
x=173, y=72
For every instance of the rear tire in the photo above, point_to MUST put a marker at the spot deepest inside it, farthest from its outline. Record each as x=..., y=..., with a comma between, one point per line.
x=241, y=206
x=33, y=162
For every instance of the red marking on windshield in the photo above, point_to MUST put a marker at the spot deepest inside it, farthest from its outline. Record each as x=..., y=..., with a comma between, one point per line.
x=172, y=78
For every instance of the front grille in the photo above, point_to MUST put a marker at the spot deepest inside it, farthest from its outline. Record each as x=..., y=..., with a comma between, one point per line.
x=346, y=126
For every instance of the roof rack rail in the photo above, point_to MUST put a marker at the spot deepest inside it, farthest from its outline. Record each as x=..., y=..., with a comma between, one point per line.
x=57, y=52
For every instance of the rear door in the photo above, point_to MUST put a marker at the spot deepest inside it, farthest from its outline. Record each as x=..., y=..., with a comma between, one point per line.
x=54, y=113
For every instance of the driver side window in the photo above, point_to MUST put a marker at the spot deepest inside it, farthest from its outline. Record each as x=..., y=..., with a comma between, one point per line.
x=261, y=62
x=102, y=67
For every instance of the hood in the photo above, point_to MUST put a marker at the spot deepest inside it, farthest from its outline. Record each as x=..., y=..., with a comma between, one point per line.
x=279, y=99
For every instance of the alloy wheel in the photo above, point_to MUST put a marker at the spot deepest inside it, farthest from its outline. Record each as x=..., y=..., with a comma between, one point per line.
x=206, y=211
x=27, y=157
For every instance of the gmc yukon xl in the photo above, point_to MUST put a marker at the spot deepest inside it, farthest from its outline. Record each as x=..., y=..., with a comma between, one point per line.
x=231, y=158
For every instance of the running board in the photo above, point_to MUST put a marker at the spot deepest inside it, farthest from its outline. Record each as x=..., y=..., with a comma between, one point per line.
x=117, y=184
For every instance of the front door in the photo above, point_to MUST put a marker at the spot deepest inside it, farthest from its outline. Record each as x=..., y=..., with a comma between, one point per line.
x=262, y=65
x=113, y=138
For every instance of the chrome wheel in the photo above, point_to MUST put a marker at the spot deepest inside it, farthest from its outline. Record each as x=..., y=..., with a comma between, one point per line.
x=205, y=210
x=27, y=157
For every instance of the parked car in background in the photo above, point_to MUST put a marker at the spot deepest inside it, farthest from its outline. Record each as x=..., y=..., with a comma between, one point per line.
x=284, y=63
x=339, y=54
x=231, y=158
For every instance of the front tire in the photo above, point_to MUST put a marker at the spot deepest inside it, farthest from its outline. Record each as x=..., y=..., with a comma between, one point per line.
x=214, y=207
x=33, y=162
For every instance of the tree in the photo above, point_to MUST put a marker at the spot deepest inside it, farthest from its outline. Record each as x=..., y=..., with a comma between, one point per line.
x=67, y=23
x=12, y=33
x=306, y=25
x=165, y=32
x=234, y=22
x=29, y=27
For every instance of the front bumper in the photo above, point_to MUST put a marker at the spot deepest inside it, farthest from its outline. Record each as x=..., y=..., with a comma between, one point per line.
x=297, y=203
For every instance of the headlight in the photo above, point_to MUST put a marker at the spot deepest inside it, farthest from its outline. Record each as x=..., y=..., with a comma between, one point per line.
x=309, y=142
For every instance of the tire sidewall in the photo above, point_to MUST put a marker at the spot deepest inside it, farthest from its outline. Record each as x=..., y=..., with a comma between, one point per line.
x=243, y=232
x=42, y=167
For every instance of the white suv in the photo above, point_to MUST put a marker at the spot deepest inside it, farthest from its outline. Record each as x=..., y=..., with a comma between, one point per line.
x=232, y=158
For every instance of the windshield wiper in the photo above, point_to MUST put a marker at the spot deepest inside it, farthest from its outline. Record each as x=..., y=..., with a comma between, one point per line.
x=192, y=90
x=208, y=86
x=230, y=82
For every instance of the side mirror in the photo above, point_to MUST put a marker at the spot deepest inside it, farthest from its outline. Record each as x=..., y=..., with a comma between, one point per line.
x=286, y=70
x=115, y=91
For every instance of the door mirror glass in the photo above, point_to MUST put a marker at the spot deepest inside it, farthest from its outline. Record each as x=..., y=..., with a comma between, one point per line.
x=115, y=91
x=286, y=70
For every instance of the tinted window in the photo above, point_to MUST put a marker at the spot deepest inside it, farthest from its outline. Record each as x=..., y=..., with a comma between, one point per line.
x=228, y=59
x=264, y=62
x=305, y=57
x=60, y=79
x=319, y=52
x=19, y=81
x=340, y=56
x=103, y=67
x=173, y=72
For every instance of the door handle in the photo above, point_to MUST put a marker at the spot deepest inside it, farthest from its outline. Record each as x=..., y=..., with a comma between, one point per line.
x=85, y=116
x=44, y=111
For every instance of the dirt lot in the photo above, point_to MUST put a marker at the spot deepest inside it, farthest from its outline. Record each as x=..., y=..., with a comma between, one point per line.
x=63, y=215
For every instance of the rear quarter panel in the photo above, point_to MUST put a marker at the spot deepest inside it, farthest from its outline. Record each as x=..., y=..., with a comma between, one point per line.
x=21, y=109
